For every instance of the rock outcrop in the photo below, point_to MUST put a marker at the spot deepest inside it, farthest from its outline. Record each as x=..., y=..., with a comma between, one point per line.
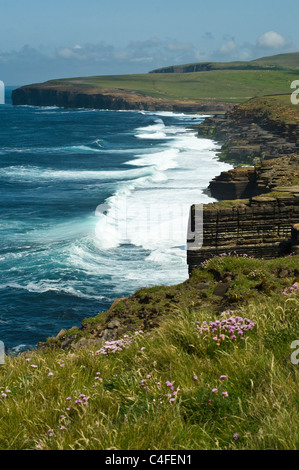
x=245, y=182
x=260, y=129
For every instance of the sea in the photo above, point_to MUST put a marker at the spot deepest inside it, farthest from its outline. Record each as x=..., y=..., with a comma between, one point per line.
x=94, y=204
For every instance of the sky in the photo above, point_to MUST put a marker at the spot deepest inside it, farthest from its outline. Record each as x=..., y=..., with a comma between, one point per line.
x=42, y=40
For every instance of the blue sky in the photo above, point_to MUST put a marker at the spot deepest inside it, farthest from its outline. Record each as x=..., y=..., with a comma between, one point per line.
x=41, y=40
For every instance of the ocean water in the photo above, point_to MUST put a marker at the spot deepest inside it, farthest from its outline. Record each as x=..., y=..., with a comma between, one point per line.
x=93, y=205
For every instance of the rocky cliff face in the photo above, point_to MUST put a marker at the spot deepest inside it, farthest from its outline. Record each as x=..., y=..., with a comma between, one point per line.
x=263, y=227
x=259, y=214
x=113, y=99
x=257, y=130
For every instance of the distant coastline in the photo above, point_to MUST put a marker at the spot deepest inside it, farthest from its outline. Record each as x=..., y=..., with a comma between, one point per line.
x=71, y=97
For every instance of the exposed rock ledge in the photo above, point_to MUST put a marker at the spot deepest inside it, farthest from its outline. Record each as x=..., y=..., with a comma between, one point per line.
x=260, y=129
x=48, y=94
x=265, y=225
x=246, y=182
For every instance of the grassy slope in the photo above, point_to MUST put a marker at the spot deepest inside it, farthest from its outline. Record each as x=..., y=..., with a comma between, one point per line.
x=276, y=108
x=289, y=61
x=218, y=85
x=262, y=383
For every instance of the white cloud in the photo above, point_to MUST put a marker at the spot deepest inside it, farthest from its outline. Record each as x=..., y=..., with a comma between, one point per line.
x=228, y=47
x=271, y=40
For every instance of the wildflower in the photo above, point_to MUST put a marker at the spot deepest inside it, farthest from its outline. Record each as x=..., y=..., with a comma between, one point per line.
x=224, y=394
x=236, y=436
x=215, y=390
x=195, y=378
x=223, y=377
x=68, y=398
x=50, y=374
x=33, y=366
x=148, y=376
x=172, y=400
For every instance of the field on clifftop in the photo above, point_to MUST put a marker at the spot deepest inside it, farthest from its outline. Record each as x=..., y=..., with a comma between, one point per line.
x=215, y=85
x=219, y=372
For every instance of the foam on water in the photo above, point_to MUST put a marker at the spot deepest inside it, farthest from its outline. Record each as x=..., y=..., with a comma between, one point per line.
x=93, y=206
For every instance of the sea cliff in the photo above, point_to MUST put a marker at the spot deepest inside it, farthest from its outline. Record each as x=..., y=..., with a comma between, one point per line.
x=53, y=94
x=259, y=209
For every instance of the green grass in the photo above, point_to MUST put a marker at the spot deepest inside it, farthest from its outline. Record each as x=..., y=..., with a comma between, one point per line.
x=277, y=62
x=215, y=85
x=262, y=383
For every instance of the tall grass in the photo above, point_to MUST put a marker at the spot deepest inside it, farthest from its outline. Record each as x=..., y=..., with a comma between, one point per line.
x=160, y=392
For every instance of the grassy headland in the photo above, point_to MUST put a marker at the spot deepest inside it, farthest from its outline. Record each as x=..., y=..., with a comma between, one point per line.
x=229, y=82
x=181, y=385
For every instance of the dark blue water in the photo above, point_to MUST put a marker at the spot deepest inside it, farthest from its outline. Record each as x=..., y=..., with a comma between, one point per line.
x=93, y=205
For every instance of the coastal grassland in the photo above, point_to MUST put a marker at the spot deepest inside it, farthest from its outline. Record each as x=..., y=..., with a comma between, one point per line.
x=214, y=85
x=176, y=386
